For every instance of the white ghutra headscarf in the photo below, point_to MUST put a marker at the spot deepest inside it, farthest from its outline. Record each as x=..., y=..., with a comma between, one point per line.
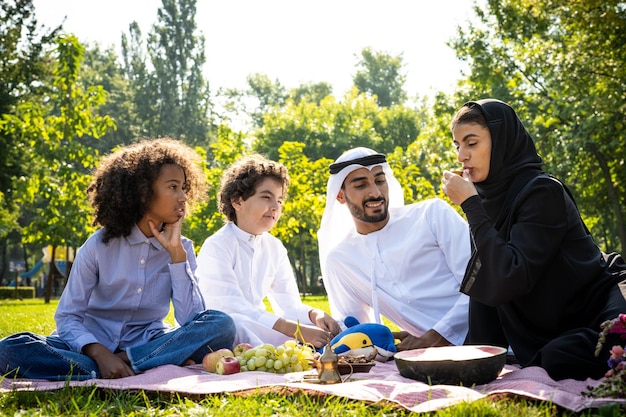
x=337, y=221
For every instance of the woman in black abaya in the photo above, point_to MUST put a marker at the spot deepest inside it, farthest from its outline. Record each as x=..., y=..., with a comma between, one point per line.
x=537, y=281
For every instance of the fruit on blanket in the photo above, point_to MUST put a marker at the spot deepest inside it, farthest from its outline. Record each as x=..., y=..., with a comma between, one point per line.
x=241, y=348
x=227, y=365
x=285, y=358
x=210, y=360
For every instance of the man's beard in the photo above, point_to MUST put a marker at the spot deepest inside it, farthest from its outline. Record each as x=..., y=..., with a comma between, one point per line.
x=358, y=211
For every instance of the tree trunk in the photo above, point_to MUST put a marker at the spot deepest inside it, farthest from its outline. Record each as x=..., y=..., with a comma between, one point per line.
x=25, y=252
x=613, y=197
x=68, y=265
x=50, y=280
x=3, y=268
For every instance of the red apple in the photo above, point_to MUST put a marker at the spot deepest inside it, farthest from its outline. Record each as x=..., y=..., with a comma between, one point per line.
x=227, y=365
x=210, y=360
x=240, y=348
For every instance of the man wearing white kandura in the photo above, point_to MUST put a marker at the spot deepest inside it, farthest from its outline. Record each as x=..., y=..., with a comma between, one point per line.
x=380, y=257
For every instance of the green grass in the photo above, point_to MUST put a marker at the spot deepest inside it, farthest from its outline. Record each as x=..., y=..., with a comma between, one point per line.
x=36, y=316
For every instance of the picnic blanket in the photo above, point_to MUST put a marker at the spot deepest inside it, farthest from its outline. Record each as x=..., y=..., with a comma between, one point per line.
x=382, y=383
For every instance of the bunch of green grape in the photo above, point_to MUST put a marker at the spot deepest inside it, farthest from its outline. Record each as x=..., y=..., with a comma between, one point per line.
x=288, y=357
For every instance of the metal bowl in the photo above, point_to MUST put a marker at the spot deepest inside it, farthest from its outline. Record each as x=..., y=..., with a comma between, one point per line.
x=452, y=365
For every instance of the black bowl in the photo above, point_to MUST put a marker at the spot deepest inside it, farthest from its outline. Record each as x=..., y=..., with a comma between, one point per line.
x=452, y=365
x=353, y=368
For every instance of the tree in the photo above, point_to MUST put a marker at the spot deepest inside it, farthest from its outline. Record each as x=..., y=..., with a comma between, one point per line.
x=331, y=127
x=268, y=94
x=311, y=92
x=398, y=127
x=303, y=209
x=561, y=64
x=58, y=133
x=206, y=218
x=380, y=75
x=101, y=68
x=251, y=104
x=23, y=73
x=171, y=96
x=264, y=95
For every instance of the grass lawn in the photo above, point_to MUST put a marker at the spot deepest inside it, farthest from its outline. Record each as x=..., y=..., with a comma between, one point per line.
x=37, y=317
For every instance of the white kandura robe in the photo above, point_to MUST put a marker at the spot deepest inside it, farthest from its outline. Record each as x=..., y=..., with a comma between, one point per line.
x=410, y=271
x=237, y=270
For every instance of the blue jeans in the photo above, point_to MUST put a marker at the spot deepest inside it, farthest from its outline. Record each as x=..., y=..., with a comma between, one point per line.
x=27, y=355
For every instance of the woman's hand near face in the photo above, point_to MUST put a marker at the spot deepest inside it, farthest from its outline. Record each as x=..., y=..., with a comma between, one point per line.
x=458, y=188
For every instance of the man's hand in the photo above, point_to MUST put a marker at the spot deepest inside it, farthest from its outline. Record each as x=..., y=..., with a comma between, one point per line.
x=110, y=365
x=429, y=339
x=324, y=322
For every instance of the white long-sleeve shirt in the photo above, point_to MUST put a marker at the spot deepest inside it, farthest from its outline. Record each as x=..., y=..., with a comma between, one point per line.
x=411, y=269
x=237, y=270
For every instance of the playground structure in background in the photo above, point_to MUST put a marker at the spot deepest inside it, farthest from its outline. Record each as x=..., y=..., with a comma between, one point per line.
x=38, y=274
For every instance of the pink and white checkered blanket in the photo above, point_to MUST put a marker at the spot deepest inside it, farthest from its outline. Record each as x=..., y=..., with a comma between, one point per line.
x=383, y=382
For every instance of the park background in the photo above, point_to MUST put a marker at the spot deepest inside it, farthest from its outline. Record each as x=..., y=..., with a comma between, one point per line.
x=65, y=102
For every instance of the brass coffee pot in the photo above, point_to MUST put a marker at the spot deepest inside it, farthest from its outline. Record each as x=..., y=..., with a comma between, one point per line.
x=328, y=367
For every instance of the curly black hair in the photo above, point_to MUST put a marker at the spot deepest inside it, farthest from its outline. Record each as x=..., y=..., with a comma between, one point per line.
x=242, y=177
x=121, y=190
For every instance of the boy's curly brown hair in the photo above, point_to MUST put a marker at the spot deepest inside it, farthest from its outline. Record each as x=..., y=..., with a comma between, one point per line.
x=242, y=177
x=121, y=190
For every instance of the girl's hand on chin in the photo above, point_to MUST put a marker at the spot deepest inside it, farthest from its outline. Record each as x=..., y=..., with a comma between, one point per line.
x=169, y=236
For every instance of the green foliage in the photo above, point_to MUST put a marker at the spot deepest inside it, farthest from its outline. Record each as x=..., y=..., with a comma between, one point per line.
x=302, y=212
x=16, y=293
x=380, y=75
x=331, y=127
x=311, y=92
x=206, y=219
x=560, y=64
x=268, y=94
x=263, y=94
x=53, y=139
x=170, y=94
x=23, y=73
x=8, y=218
x=101, y=68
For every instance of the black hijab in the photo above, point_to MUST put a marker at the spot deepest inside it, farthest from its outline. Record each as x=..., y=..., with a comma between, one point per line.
x=514, y=158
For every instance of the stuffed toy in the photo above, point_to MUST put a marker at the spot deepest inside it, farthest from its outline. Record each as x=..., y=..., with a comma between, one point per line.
x=364, y=339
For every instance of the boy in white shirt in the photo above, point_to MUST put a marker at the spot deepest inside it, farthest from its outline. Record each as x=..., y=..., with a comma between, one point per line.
x=242, y=263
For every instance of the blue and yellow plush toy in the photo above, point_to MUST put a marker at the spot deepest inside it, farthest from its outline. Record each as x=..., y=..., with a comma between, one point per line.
x=361, y=340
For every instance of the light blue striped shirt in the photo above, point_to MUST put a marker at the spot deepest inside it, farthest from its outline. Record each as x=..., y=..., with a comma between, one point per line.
x=119, y=293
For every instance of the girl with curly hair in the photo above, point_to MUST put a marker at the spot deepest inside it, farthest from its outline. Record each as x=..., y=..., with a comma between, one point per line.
x=242, y=263
x=110, y=318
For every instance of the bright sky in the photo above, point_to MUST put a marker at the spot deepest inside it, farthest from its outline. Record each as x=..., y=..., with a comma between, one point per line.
x=294, y=41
